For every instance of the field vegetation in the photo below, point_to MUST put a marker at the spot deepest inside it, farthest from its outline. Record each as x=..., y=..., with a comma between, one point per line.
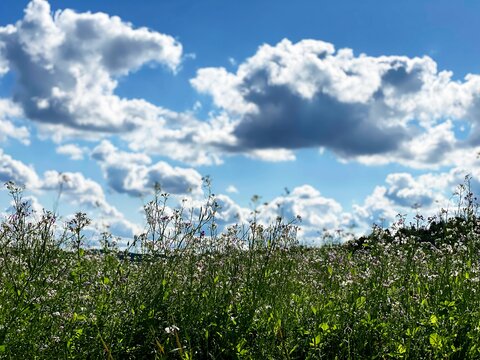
x=183, y=290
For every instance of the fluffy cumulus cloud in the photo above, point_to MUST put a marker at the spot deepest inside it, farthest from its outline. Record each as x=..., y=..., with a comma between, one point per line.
x=318, y=213
x=287, y=96
x=66, y=66
x=228, y=212
x=73, y=151
x=401, y=194
x=180, y=136
x=32, y=203
x=373, y=109
x=75, y=186
x=406, y=194
x=272, y=155
x=9, y=113
x=405, y=191
x=134, y=173
x=83, y=193
x=87, y=195
x=231, y=189
x=377, y=209
x=18, y=172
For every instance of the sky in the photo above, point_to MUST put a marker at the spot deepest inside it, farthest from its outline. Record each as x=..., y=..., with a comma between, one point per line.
x=346, y=113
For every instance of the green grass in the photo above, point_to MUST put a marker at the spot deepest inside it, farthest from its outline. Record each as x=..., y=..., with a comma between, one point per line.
x=249, y=293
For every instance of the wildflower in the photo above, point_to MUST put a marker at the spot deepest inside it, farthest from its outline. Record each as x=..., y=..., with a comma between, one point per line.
x=171, y=329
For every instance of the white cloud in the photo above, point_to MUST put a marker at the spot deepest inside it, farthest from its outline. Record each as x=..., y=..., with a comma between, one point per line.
x=318, y=213
x=228, y=212
x=404, y=193
x=119, y=226
x=74, y=152
x=182, y=137
x=87, y=195
x=272, y=155
x=83, y=193
x=18, y=172
x=67, y=67
x=375, y=110
x=8, y=129
x=133, y=173
x=376, y=209
x=434, y=147
x=78, y=189
x=32, y=204
x=67, y=63
x=372, y=109
x=232, y=189
x=224, y=88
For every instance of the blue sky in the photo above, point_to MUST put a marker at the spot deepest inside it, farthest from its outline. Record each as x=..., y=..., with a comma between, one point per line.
x=360, y=109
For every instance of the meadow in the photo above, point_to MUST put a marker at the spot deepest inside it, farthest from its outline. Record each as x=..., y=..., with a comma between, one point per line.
x=183, y=290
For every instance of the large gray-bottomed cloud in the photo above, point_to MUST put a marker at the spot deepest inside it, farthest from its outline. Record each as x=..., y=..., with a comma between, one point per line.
x=372, y=109
x=66, y=65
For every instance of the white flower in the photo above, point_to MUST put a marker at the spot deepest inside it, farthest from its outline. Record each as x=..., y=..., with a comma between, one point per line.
x=171, y=329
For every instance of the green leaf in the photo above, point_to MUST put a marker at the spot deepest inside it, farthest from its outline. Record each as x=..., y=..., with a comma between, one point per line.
x=412, y=332
x=436, y=340
x=77, y=317
x=292, y=350
x=278, y=325
x=240, y=347
x=360, y=302
x=324, y=326
x=3, y=348
x=434, y=320
x=315, y=341
x=401, y=349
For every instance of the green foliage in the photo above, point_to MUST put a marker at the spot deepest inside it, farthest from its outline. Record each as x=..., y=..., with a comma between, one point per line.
x=183, y=291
